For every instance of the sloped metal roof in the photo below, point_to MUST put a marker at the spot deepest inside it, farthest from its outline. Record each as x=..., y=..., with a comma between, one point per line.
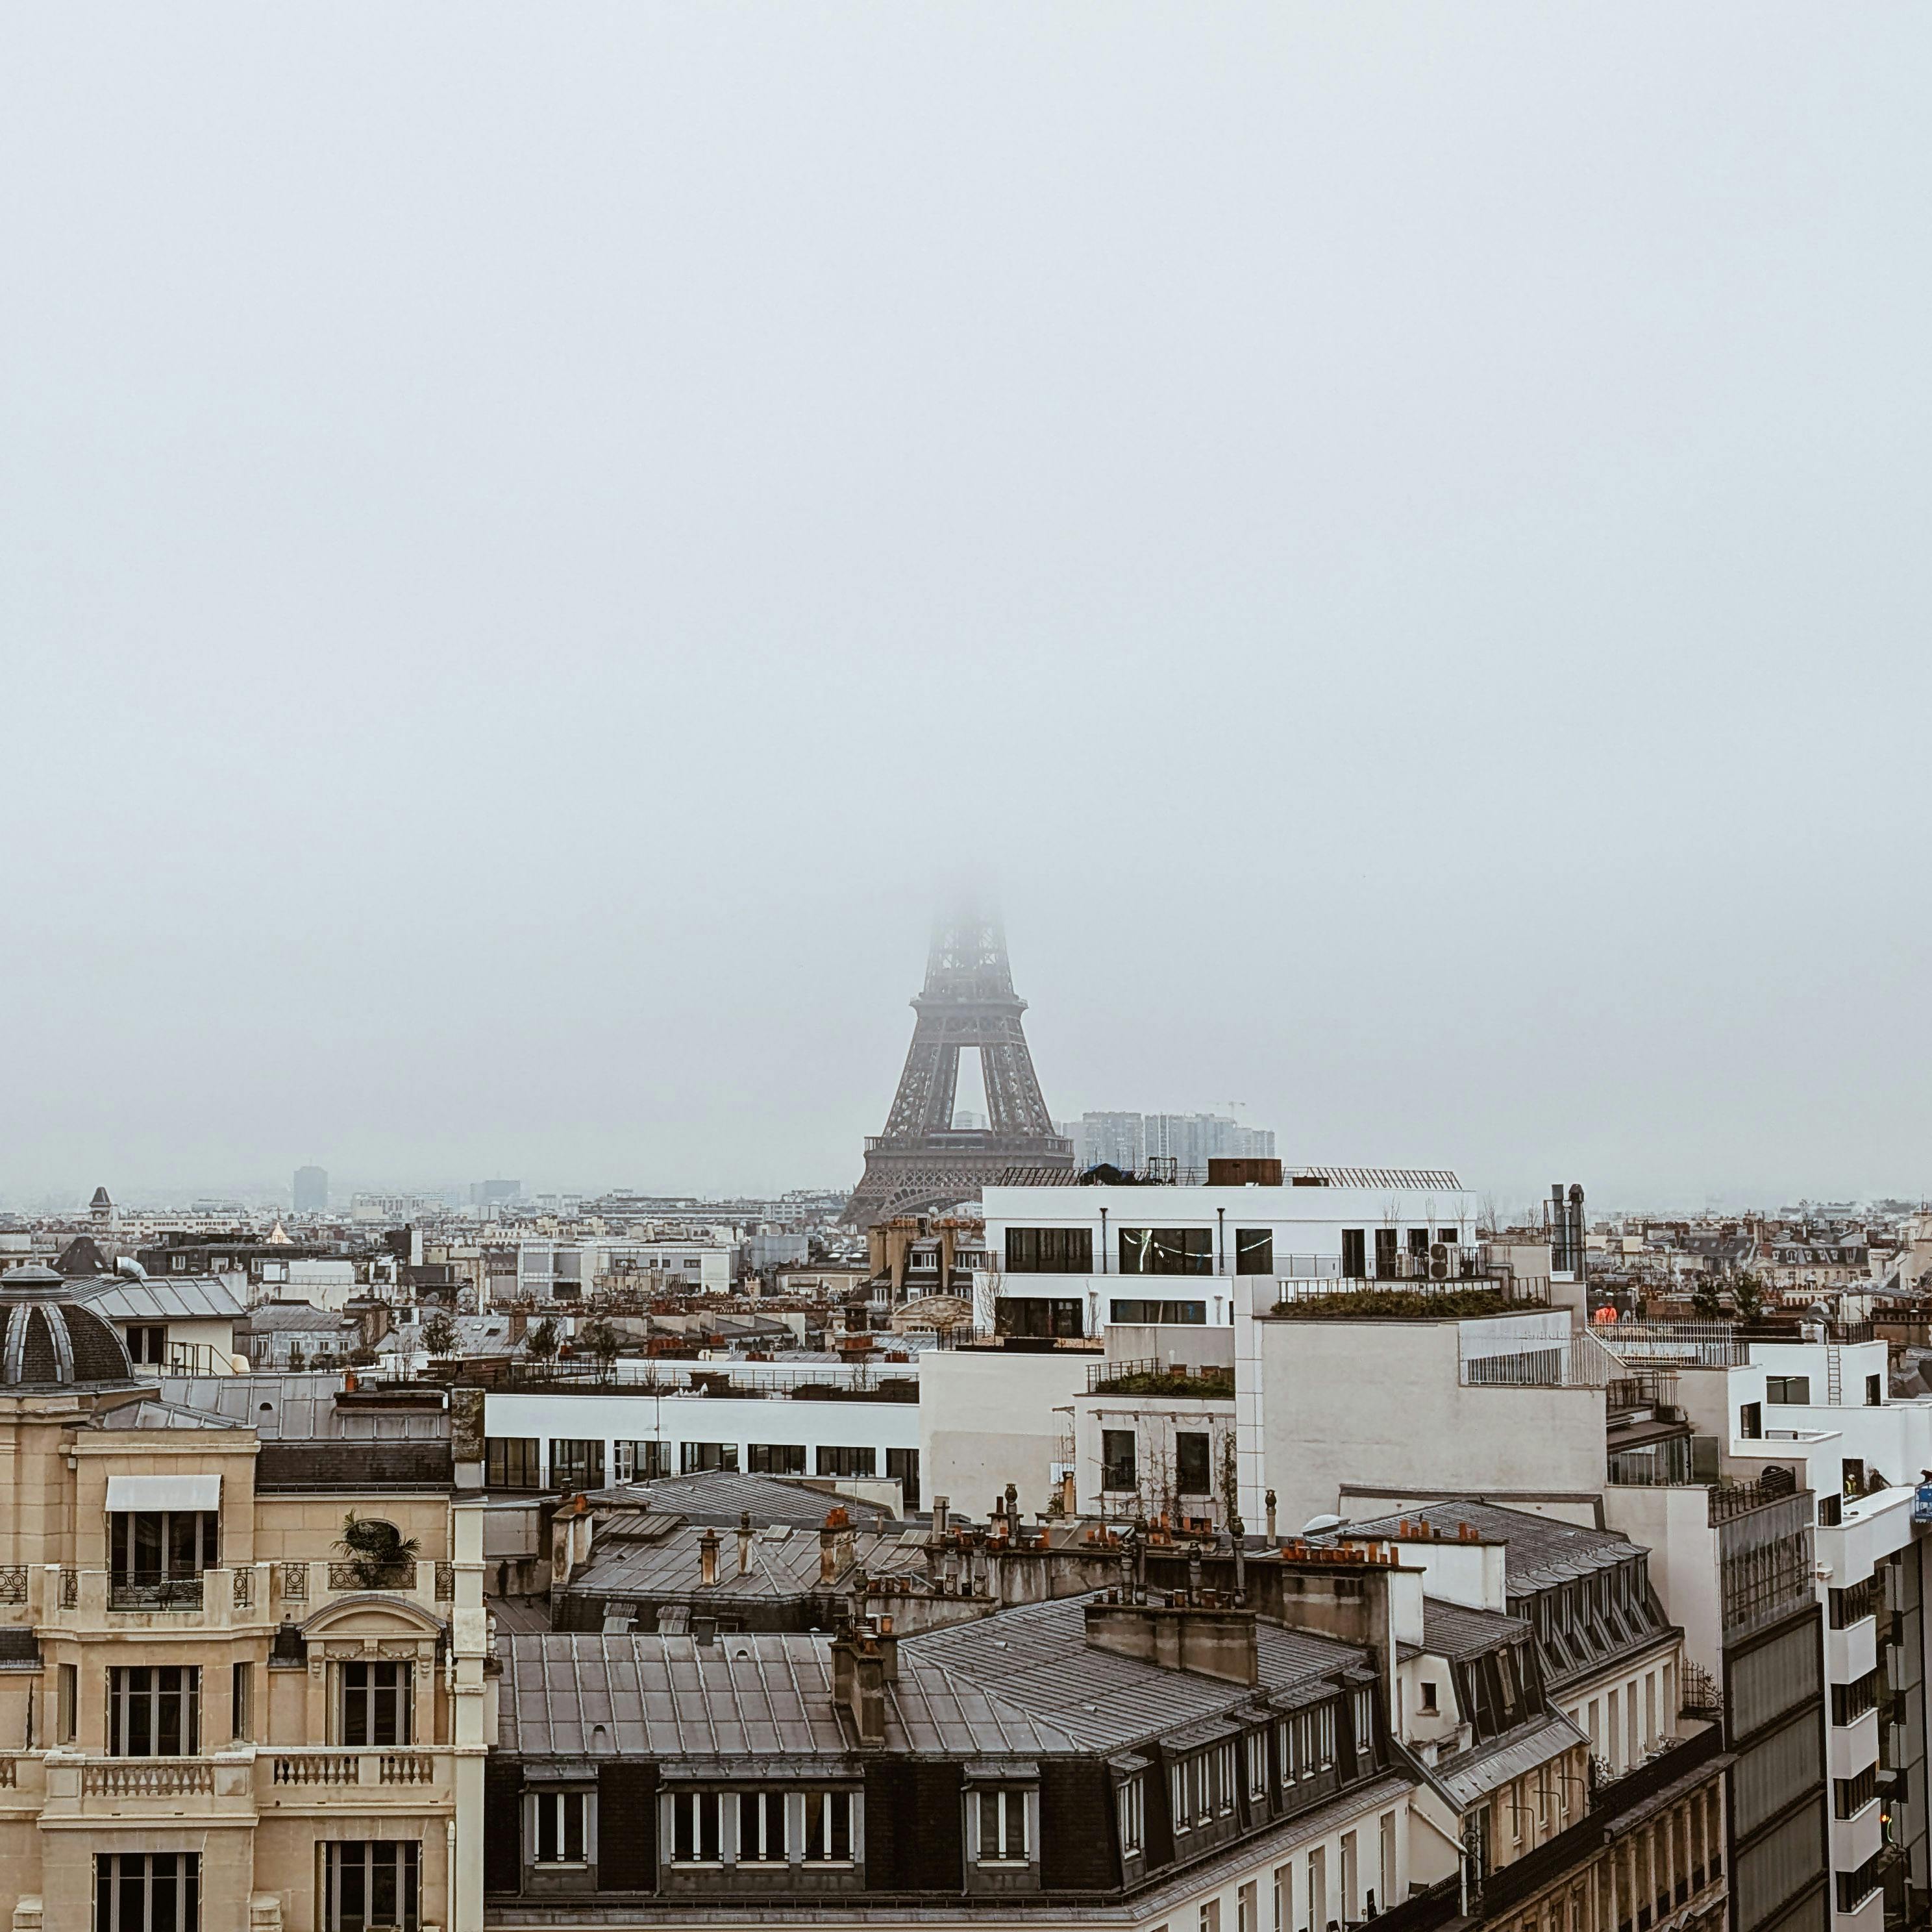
x=161, y=1298
x=1467, y=1777
x=1455, y=1631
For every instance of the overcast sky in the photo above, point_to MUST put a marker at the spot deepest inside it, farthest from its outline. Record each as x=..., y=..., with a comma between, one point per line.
x=536, y=543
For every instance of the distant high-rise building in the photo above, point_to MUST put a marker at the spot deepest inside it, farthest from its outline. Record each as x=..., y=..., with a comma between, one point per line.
x=489, y=1193
x=311, y=1190
x=1129, y=1141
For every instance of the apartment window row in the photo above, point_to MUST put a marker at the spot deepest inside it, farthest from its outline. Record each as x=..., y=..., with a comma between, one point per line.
x=1202, y=1787
x=154, y=1710
x=515, y=1462
x=1049, y=1251
x=1167, y=1250
x=367, y=1885
x=820, y=1828
x=1191, y=1465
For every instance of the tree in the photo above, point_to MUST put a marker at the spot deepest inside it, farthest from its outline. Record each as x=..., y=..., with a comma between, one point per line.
x=438, y=1333
x=1747, y=1293
x=1707, y=1299
x=541, y=1342
x=602, y=1342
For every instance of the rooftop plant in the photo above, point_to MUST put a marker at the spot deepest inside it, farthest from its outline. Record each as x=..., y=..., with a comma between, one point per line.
x=1397, y=1304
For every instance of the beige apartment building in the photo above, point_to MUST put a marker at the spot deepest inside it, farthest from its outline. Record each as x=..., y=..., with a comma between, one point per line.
x=213, y=1716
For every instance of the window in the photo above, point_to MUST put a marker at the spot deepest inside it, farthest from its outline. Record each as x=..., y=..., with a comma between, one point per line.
x=512, y=1462
x=1787, y=1389
x=1002, y=1824
x=834, y=1460
x=147, y=1891
x=241, y=1699
x=1385, y=1253
x=761, y=1827
x=1254, y=1251
x=1850, y=1796
x=1750, y=1421
x=1418, y=1243
x=1049, y=1251
x=576, y=1463
x=828, y=1827
x=1167, y=1251
x=563, y=1832
x=148, y=1343
x=1352, y=1896
x=1130, y=1807
x=1854, y=1605
x=1210, y=1919
x=67, y=1708
x=1257, y=1754
x=1244, y=1909
x=639, y=1461
x=776, y=1459
x=1362, y=1713
x=1116, y=1459
x=153, y=1710
x=370, y=1885
x=902, y=1465
x=1038, y=1317
x=1355, y=1253
x=1852, y=1477
x=1850, y=1702
x=693, y=1828
x=155, y=1557
x=699, y=1458
x=1307, y=1743
x=1427, y=1688
x=1874, y=1392
x=1182, y=1313
x=1284, y=1898
x=375, y=1704
x=1191, y=1463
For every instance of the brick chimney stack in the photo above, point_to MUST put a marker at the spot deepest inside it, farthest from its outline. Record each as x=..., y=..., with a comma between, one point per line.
x=707, y=1559
x=745, y=1544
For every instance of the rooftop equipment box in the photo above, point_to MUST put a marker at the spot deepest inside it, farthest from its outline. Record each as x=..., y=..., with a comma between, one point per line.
x=1243, y=1171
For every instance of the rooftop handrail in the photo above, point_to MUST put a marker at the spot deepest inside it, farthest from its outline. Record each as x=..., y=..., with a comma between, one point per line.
x=1207, y=1380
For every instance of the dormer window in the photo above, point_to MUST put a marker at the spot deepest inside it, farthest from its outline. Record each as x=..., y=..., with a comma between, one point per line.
x=1001, y=1835
x=1130, y=1806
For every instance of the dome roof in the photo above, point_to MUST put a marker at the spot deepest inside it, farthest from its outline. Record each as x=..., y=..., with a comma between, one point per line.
x=49, y=1339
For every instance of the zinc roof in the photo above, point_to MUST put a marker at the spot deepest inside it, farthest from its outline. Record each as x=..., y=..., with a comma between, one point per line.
x=1542, y=1551
x=164, y=1298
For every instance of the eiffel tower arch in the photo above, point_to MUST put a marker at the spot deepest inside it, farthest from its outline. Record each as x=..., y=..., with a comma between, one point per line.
x=922, y=1162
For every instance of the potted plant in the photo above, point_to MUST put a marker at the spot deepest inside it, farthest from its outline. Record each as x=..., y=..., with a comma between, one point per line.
x=378, y=1556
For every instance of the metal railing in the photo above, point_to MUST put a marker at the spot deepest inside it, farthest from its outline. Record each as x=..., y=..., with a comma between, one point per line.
x=1715, y=1345
x=1334, y=1293
x=152, y=1593
x=1729, y=1501
x=353, y=1576
x=1573, y=1361
x=1146, y=1375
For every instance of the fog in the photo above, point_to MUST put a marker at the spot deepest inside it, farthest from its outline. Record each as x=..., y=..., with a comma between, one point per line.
x=537, y=547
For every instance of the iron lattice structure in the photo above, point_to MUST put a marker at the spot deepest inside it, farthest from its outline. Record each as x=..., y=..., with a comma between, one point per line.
x=921, y=1161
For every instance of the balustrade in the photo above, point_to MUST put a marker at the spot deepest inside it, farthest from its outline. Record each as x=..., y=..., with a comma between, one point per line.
x=147, y=1777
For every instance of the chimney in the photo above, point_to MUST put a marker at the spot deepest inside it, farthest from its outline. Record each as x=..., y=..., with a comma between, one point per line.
x=745, y=1544
x=1218, y=1643
x=1070, y=1500
x=1270, y=1516
x=828, y=1553
x=859, y=1683
x=707, y=1558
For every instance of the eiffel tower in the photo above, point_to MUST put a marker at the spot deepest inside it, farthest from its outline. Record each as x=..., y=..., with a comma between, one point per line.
x=921, y=1161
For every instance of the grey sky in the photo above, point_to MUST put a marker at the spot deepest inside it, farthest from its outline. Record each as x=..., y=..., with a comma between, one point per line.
x=533, y=543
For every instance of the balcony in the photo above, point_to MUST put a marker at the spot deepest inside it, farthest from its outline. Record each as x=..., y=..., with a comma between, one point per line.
x=333, y=1779
x=1400, y=1297
x=85, y=1785
x=1211, y=1383
x=149, y=1593
x=246, y=1596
